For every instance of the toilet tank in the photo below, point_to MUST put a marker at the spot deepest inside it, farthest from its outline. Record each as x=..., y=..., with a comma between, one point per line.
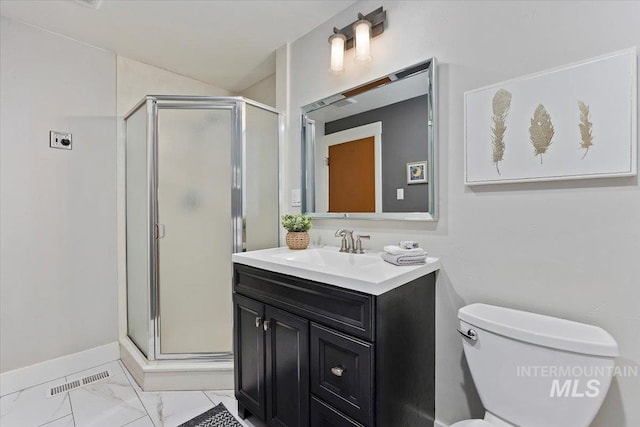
x=535, y=370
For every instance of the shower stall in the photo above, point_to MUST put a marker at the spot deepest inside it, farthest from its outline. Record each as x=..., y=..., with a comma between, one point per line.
x=201, y=178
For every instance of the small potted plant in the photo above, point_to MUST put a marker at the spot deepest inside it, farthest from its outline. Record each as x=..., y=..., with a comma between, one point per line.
x=297, y=226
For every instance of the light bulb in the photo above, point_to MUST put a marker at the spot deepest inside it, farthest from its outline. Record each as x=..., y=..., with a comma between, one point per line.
x=362, y=40
x=337, y=52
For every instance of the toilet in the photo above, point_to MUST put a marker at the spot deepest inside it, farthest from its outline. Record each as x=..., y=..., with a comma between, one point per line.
x=532, y=370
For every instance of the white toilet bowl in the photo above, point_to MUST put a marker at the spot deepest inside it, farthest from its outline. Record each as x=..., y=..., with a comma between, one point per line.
x=532, y=370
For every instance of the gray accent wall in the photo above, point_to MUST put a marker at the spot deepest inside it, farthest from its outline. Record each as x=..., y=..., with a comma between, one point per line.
x=404, y=140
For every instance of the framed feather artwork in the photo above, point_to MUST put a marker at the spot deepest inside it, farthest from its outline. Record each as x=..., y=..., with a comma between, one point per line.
x=571, y=122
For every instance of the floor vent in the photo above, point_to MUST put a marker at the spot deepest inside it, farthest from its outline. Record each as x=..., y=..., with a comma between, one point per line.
x=72, y=385
x=95, y=377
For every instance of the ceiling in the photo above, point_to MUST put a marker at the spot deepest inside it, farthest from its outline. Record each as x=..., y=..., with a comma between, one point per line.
x=229, y=44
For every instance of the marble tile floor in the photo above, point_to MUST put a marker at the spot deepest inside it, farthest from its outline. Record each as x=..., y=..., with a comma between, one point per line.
x=114, y=402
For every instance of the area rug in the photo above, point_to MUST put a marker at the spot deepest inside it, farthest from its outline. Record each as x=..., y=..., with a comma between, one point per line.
x=218, y=416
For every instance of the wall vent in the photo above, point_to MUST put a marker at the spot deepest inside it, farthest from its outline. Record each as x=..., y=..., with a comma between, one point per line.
x=72, y=385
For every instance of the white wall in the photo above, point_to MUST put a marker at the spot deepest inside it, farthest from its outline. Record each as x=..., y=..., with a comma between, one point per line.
x=565, y=249
x=135, y=81
x=58, y=245
x=263, y=91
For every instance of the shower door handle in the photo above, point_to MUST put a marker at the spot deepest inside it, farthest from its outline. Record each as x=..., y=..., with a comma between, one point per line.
x=159, y=231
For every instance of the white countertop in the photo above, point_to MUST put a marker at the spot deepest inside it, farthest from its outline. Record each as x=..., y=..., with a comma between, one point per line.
x=367, y=273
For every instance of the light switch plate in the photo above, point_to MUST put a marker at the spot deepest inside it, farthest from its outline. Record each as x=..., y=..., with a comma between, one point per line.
x=295, y=198
x=400, y=193
x=61, y=140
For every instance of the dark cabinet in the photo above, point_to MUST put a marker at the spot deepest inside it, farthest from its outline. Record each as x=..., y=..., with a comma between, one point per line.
x=287, y=362
x=312, y=354
x=249, y=355
x=272, y=357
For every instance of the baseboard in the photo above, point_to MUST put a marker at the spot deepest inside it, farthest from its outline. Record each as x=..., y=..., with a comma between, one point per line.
x=437, y=423
x=43, y=372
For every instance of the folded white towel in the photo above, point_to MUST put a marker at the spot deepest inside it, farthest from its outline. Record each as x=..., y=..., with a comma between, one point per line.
x=404, y=259
x=408, y=244
x=397, y=250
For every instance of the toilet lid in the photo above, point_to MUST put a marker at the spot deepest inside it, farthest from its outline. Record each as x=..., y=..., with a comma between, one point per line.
x=472, y=423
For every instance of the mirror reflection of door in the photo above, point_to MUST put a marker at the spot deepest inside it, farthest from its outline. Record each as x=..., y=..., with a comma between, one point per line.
x=352, y=176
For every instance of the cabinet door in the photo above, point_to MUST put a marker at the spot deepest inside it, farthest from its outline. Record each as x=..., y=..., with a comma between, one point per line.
x=287, y=369
x=249, y=355
x=323, y=415
x=342, y=372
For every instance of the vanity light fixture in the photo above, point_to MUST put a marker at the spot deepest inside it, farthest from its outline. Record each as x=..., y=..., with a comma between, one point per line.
x=338, y=42
x=358, y=34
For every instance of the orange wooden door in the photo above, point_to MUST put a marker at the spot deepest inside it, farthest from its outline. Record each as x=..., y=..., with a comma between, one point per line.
x=352, y=176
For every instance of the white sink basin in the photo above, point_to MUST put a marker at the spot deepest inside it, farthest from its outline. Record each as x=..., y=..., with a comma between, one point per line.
x=330, y=258
x=366, y=272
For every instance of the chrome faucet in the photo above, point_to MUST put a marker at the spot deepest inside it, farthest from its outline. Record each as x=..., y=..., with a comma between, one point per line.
x=348, y=245
x=347, y=239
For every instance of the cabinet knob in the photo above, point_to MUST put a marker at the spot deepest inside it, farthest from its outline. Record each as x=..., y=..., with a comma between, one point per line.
x=337, y=371
x=266, y=324
x=258, y=321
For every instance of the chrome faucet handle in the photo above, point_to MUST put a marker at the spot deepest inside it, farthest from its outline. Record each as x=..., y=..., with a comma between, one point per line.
x=358, y=248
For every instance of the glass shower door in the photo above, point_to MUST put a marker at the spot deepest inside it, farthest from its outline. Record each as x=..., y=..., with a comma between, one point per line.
x=137, y=220
x=194, y=231
x=261, y=179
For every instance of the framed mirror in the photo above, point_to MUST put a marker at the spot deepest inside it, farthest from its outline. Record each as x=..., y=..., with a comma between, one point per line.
x=370, y=152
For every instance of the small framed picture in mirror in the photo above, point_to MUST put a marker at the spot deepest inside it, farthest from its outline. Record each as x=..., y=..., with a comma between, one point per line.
x=417, y=172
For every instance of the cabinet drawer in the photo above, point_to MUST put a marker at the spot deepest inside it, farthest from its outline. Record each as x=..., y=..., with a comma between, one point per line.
x=342, y=372
x=323, y=415
x=344, y=310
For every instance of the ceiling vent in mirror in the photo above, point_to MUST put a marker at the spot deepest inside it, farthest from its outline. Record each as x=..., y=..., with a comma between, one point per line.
x=95, y=4
x=343, y=103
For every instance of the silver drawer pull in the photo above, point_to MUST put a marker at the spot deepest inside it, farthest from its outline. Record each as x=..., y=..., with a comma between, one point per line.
x=258, y=321
x=470, y=334
x=337, y=371
x=266, y=324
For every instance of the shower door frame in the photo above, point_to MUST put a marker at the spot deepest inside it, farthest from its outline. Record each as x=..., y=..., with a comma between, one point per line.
x=237, y=108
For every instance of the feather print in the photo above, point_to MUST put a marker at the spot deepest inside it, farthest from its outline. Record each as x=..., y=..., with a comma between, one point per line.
x=541, y=131
x=501, y=105
x=585, y=127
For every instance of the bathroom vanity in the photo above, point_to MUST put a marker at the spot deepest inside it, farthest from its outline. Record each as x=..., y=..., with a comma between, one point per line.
x=323, y=338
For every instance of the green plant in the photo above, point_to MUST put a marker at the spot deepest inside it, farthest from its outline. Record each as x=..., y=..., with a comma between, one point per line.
x=297, y=222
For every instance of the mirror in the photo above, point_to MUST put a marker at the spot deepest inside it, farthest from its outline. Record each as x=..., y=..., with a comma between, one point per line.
x=370, y=152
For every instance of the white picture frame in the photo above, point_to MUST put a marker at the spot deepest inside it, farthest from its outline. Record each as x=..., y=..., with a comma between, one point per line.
x=417, y=172
x=571, y=122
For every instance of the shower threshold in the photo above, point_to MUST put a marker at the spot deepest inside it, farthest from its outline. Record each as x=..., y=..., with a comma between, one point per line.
x=184, y=374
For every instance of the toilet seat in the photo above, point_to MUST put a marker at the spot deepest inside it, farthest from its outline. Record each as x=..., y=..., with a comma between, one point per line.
x=472, y=423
